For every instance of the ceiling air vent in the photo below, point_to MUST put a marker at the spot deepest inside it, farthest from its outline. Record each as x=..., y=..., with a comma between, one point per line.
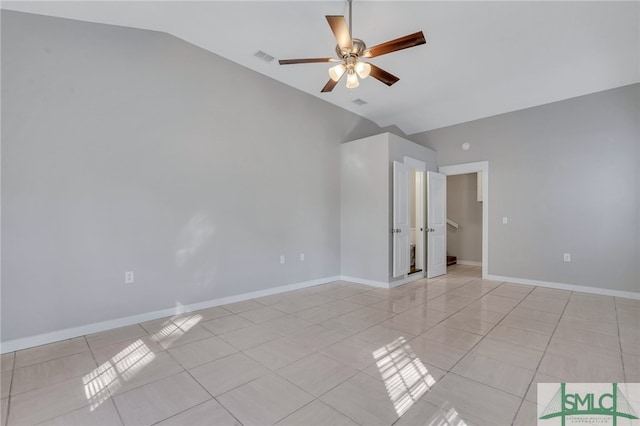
x=264, y=56
x=359, y=102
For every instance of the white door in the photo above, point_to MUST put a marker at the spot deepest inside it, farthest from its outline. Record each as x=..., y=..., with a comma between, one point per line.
x=420, y=221
x=436, y=224
x=401, y=219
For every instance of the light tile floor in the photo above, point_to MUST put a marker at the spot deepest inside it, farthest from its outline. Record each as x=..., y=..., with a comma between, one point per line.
x=440, y=351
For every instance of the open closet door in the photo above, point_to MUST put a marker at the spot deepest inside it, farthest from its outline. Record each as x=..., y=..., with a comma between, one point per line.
x=421, y=222
x=401, y=219
x=436, y=224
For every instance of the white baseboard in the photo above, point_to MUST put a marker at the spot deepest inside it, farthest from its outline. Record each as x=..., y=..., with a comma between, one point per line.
x=382, y=284
x=69, y=333
x=468, y=263
x=406, y=280
x=570, y=287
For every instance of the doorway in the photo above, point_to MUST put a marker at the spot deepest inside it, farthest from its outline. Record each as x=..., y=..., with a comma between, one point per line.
x=419, y=245
x=464, y=219
x=409, y=199
x=416, y=208
x=481, y=167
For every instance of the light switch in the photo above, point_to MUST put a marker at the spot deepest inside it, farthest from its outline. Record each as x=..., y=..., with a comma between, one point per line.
x=505, y=220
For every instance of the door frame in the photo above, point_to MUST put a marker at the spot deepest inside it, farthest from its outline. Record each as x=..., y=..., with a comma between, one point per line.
x=421, y=216
x=463, y=169
x=420, y=167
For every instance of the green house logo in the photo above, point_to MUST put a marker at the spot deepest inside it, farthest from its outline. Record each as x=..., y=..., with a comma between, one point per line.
x=582, y=402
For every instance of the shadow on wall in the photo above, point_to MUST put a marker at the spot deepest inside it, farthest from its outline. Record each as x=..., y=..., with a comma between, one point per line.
x=194, y=240
x=193, y=237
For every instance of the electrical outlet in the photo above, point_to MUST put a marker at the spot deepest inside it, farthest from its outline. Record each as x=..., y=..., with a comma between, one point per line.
x=302, y=257
x=128, y=277
x=567, y=257
x=505, y=220
x=282, y=259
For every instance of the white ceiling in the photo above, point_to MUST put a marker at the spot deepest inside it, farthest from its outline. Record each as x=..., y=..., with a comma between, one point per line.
x=481, y=58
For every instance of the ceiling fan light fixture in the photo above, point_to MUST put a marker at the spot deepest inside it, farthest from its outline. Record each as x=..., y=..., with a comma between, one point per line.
x=336, y=72
x=349, y=50
x=352, y=80
x=363, y=69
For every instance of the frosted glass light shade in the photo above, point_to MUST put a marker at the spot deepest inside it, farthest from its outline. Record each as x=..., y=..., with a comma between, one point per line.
x=352, y=80
x=336, y=72
x=363, y=69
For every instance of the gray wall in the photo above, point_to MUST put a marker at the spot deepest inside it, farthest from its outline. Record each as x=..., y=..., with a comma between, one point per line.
x=400, y=147
x=126, y=149
x=365, y=199
x=566, y=176
x=463, y=207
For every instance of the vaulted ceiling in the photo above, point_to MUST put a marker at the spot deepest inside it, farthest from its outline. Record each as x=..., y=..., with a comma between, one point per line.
x=480, y=59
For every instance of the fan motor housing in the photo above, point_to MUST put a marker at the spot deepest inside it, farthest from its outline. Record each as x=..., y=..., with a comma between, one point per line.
x=357, y=47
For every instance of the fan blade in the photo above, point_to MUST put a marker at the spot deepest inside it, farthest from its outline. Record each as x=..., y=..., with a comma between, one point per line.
x=329, y=86
x=405, y=42
x=340, y=31
x=382, y=75
x=305, y=61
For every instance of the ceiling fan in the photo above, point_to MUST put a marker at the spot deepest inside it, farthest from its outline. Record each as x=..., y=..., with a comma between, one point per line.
x=351, y=50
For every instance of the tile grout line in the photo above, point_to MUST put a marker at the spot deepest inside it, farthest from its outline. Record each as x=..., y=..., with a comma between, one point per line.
x=10, y=388
x=54, y=358
x=356, y=371
x=542, y=357
x=270, y=370
x=111, y=396
x=483, y=337
x=184, y=370
x=314, y=397
x=205, y=389
x=522, y=399
x=349, y=336
x=624, y=371
x=442, y=320
x=457, y=311
x=71, y=378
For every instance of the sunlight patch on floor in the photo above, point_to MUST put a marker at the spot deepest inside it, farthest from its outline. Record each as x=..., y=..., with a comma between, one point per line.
x=174, y=328
x=446, y=416
x=404, y=375
x=105, y=380
x=100, y=383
